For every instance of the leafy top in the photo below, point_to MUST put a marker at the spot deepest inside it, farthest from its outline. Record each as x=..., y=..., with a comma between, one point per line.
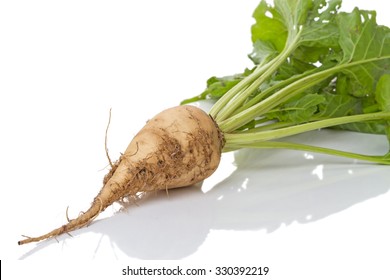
x=314, y=65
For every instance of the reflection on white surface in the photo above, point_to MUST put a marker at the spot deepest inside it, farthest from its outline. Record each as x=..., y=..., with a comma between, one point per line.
x=245, y=183
x=308, y=156
x=319, y=171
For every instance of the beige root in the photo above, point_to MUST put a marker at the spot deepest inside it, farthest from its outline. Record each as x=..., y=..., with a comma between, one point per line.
x=179, y=147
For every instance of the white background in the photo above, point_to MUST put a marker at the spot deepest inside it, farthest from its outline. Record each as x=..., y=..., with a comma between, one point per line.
x=64, y=64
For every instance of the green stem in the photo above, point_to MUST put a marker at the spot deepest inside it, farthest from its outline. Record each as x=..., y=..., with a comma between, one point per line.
x=272, y=101
x=232, y=106
x=285, y=93
x=248, y=137
x=272, y=125
x=244, y=83
x=264, y=94
x=309, y=148
x=193, y=99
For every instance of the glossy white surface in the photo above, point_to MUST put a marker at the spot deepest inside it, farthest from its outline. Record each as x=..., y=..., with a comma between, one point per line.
x=63, y=66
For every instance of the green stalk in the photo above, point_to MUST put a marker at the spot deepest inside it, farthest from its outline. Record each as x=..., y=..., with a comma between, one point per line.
x=248, y=137
x=272, y=101
x=296, y=87
x=272, y=125
x=309, y=148
x=262, y=95
x=272, y=66
x=244, y=83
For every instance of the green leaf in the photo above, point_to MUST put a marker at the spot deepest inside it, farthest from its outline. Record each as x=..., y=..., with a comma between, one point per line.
x=362, y=39
x=372, y=127
x=361, y=88
x=263, y=51
x=337, y=105
x=218, y=86
x=382, y=93
x=320, y=28
x=299, y=110
x=276, y=25
x=311, y=54
x=269, y=26
x=382, y=96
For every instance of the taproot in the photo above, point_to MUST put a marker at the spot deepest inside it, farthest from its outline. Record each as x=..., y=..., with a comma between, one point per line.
x=179, y=147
